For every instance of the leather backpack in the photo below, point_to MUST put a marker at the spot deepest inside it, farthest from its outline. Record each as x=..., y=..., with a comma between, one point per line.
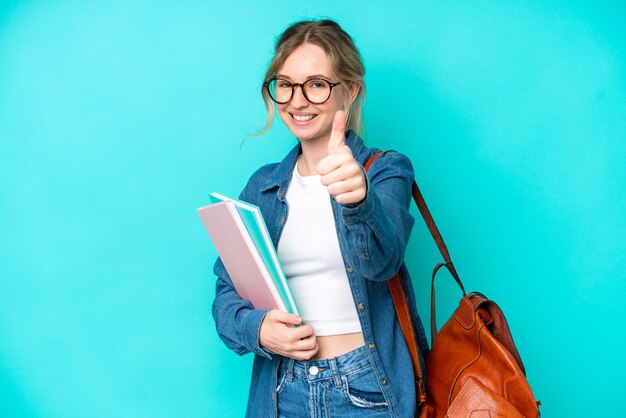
x=473, y=369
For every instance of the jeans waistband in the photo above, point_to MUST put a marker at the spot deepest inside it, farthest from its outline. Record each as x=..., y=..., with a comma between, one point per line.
x=323, y=369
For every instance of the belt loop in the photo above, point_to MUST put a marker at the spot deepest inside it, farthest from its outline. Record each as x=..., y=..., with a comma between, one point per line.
x=289, y=369
x=333, y=368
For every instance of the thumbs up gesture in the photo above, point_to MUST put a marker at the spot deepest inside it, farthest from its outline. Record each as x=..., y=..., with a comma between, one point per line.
x=341, y=173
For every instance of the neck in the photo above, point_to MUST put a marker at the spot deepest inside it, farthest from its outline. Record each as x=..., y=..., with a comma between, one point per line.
x=312, y=153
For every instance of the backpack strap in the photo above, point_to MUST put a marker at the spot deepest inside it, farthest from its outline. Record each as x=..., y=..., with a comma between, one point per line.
x=434, y=231
x=399, y=296
x=404, y=319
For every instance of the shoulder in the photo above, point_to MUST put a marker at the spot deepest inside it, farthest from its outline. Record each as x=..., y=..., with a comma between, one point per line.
x=394, y=157
x=391, y=174
x=363, y=153
x=390, y=162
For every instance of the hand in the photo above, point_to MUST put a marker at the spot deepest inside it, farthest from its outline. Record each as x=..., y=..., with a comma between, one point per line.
x=341, y=173
x=278, y=335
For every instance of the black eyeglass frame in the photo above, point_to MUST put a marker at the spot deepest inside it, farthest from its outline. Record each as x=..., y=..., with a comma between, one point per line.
x=293, y=89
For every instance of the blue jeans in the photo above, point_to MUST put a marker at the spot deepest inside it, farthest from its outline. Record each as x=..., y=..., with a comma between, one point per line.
x=344, y=386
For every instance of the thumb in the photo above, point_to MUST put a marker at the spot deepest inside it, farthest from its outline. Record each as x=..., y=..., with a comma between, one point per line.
x=337, y=134
x=285, y=317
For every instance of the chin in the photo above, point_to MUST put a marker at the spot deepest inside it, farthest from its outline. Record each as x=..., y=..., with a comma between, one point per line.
x=305, y=133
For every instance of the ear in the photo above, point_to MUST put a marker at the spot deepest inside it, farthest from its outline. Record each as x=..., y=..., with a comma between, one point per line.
x=354, y=90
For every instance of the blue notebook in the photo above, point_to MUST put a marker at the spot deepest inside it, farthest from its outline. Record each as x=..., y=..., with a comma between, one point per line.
x=255, y=224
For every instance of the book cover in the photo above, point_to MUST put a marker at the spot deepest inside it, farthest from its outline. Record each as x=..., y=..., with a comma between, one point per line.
x=240, y=256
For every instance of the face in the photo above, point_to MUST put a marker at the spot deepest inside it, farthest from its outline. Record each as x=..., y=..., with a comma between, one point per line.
x=308, y=121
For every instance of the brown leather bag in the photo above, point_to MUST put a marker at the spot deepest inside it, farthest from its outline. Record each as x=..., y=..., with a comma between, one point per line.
x=473, y=368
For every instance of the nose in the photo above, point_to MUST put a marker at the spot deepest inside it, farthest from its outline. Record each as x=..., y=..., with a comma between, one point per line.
x=298, y=100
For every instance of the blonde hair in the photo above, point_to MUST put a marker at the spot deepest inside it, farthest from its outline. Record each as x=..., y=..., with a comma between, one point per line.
x=345, y=63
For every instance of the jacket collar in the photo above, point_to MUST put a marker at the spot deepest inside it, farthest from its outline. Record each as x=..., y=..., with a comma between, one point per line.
x=282, y=173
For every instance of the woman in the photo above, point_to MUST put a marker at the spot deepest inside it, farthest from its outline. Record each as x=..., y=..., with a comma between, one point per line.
x=340, y=235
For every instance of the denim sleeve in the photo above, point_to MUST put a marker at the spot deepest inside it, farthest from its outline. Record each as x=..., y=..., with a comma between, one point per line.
x=238, y=323
x=379, y=227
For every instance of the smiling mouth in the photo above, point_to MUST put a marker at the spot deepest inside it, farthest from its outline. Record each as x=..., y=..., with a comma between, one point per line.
x=302, y=118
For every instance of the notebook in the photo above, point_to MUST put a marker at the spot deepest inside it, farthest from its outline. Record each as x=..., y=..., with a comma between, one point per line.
x=255, y=224
x=254, y=279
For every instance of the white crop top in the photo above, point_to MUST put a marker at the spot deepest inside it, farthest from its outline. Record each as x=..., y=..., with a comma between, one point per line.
x=309, y=253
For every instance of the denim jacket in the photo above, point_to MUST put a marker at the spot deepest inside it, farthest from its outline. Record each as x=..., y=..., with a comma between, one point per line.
x=373, y=235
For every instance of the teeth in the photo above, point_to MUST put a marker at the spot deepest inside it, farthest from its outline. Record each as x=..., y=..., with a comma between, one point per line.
x=300, y=118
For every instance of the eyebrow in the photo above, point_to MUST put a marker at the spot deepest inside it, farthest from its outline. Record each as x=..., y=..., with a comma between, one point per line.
x=314, y=76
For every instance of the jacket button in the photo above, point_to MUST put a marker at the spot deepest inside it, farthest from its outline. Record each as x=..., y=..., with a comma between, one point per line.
x=384, y=381
x=372, y=346
x=361, y=306
x=350, y=270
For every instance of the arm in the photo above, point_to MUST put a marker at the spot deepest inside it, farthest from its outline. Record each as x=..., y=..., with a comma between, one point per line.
x=379, y=227
x=374, y=207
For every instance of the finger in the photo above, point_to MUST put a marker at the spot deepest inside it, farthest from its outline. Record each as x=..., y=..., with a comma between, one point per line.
x=346, y=186
x=305, y=331
x=284, y=317
x=350, y=197
x=337, y=135
x=342, y=173
x=333, y=161
x=305, y=344
x=305, y=355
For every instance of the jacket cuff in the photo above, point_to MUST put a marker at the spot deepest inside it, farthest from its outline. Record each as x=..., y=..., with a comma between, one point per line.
x=251, y=328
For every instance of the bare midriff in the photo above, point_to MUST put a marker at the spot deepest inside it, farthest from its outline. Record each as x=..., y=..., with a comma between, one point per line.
x=336, y=345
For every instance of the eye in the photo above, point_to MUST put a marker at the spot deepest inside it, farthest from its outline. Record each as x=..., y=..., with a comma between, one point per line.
x=317, y=84
x=283, y=84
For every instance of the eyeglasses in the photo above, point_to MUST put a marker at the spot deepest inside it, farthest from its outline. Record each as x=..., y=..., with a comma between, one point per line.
x=316, y=91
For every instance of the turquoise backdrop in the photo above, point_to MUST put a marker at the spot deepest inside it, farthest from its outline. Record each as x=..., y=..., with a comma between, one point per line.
x=118, y=117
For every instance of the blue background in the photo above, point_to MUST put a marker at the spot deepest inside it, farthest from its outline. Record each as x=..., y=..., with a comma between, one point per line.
x=118, y=117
